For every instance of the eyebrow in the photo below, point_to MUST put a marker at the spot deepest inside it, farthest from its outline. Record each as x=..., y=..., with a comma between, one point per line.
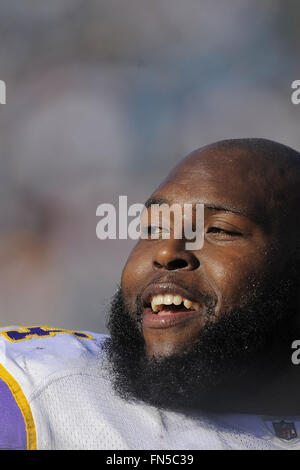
x=259, y=216
x=225, y=208
x=216, y=207
x=155, y=200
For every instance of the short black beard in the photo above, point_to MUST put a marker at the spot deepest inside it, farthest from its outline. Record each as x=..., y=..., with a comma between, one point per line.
x=234, y=355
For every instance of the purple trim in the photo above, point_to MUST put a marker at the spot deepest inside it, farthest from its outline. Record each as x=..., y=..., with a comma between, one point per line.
x=17, y=335
x=12, y=425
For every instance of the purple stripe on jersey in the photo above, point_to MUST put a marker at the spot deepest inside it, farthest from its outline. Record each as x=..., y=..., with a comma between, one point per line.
x=12, y=425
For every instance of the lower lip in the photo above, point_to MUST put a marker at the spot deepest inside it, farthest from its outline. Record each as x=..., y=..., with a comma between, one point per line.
x=167, y=320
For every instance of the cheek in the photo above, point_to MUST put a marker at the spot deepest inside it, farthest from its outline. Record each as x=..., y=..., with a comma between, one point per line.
x=135, y=272
x=234, y=275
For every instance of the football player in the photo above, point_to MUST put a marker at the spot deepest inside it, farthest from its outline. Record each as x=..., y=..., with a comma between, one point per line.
x=200, y=344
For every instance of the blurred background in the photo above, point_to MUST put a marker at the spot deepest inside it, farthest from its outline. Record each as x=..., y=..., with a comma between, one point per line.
x=103, y=98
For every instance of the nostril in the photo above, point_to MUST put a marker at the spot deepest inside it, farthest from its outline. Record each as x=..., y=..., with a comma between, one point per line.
x=171, y=260
x=157, y=265
x=176, y=264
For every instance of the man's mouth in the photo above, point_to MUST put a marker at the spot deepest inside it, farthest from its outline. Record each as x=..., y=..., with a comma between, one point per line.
x=168, y=306
x=171, y=302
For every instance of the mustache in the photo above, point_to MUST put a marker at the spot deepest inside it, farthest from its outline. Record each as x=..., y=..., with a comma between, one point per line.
x=208, y=299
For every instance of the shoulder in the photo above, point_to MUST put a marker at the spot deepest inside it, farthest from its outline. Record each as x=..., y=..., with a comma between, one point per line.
x=24, y=337
x=42, y=349
x=30, y=357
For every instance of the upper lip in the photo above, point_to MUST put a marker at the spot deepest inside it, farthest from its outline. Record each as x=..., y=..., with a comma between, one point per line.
x=167, y=288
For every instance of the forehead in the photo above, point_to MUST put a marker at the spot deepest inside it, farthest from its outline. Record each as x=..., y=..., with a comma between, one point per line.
x=229, y=182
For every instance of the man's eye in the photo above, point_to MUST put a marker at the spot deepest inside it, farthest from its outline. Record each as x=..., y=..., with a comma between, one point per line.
x=223, y=232
x=154, y=230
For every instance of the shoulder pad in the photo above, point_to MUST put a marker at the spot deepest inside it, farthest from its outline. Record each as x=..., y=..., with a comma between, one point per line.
x=29, y=357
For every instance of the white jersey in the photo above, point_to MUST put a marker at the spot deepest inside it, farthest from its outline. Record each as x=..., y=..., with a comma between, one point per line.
x=56, y=393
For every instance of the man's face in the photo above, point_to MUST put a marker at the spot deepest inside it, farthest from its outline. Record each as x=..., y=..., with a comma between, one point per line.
x=241, y=253
x=230, y=333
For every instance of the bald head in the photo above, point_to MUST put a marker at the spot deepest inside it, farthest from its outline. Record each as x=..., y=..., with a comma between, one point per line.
x=260, y=162
x=269, y=165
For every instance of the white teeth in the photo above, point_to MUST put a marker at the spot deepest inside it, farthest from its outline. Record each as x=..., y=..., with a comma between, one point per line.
x=154, y=306
x=177, y=300
x=168, y=299
x=159, y=299
x=158, y=302
x=187, y=303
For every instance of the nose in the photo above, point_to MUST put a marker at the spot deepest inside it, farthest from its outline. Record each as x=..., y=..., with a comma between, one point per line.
x=172, y=256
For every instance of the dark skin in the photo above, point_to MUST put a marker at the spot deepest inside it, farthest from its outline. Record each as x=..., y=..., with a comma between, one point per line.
x=251, y=234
